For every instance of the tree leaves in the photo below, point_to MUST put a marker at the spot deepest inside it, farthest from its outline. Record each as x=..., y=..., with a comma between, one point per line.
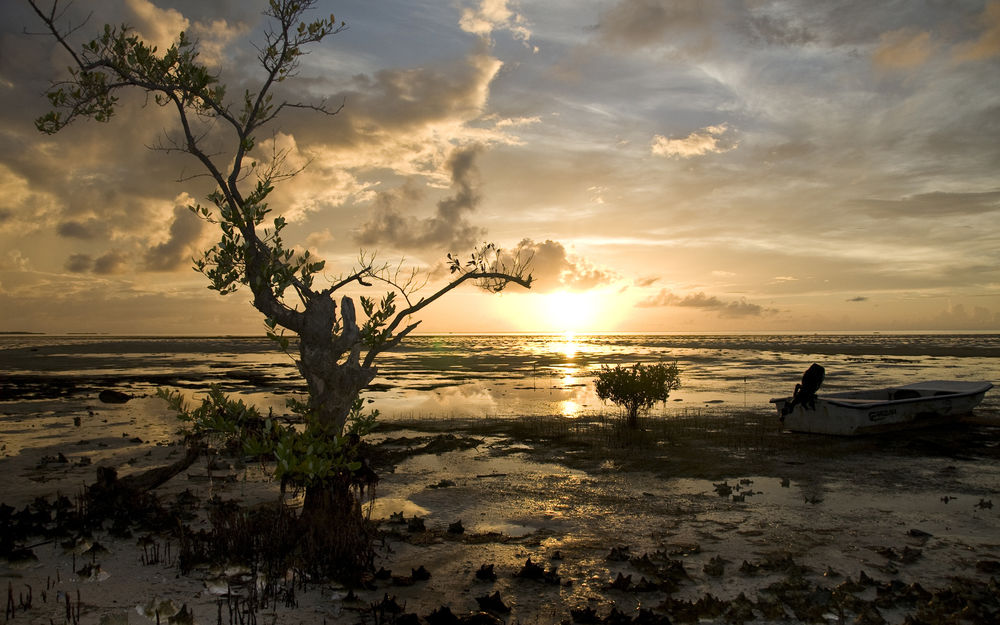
x=637, y=388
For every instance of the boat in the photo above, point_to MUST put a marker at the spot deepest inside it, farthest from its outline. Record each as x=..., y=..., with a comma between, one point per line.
x=851, y=413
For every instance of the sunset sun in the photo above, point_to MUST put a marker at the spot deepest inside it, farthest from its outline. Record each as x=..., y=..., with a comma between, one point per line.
x=565, y=311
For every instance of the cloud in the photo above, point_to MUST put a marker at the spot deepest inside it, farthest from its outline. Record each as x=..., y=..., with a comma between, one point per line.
x=708, y=140
x=110, y=263
x=859, y=298
x=735, y=308
x=553, y=268
x=903, y=49
x=182, y=244
x=159, y=27
x=493, y=15
x=988, y=44
x=13, y=260
x=71, y=229
x=448, y=228
x=778, y=30
x=935, y=204
x=682, y=24
x=647, y=281
x=213, y=37
x=107, y=264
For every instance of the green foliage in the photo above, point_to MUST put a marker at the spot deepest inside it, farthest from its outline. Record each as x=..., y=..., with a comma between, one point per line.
x=635, y=389
x=118, y=59
x=302, y=455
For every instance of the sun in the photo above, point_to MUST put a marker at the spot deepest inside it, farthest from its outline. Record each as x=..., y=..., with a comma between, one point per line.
x=571, y=312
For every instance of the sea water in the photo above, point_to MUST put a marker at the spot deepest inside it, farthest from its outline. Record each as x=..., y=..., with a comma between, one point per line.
x=510, y=375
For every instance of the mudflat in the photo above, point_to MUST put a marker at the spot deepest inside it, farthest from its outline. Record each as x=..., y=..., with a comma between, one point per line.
x=710, y=517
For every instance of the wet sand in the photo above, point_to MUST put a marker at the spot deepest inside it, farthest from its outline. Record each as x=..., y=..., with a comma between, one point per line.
x=640, y=532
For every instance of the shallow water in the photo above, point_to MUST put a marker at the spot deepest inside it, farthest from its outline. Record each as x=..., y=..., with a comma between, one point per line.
x=516, y=375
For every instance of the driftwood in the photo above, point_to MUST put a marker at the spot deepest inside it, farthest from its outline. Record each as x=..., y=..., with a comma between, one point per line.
x=107, y=477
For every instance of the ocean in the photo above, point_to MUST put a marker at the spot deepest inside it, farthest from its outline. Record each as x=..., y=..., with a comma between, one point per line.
x=501, y=376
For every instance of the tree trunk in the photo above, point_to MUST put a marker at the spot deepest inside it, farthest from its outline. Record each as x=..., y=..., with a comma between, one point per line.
x=633, y=417
x=336, y=535
x=331, y=365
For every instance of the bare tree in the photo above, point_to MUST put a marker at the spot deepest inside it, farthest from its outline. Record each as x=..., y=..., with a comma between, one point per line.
x=337, y=349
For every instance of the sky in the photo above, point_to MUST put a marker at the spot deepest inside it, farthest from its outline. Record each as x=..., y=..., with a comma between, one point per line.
x=672, y=165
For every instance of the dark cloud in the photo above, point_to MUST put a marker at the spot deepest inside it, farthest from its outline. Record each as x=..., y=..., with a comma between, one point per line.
x=78, y=230
x=177, y=251
x=735, y=308
x=860, y=298
x=449, y=227
x=110, y=263
x=79, y=263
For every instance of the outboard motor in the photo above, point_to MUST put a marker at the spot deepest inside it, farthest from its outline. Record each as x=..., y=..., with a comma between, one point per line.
x=805, y=393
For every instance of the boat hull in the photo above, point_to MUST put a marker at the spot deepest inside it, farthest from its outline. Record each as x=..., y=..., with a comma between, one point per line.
x=922, y=404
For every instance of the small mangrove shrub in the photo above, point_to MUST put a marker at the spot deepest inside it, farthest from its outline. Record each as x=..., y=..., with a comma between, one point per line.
x=635, y=389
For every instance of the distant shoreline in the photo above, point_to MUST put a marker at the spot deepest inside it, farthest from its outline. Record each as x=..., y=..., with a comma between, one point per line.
x=789, y=333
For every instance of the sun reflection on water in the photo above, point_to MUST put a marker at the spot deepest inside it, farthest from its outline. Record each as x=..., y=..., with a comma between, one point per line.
x=566, y=345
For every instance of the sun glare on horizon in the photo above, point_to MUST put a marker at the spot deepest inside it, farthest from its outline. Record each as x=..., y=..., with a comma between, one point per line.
x=569, y=312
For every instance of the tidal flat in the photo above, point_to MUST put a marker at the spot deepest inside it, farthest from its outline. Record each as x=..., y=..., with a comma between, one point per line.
x=708, y=514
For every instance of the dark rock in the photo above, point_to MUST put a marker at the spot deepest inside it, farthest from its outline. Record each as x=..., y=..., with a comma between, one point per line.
x=387, y=606
x=530, y=570
x=748, y=568
x=442, y=616
x=109, y=396
x=648, y=617
x=710, y=606
x=409, y=618
x=456, y=527
x=716, y=567
x=420, y=574
x=493, y=603
x=486, y=573
x=616, y=617
x=870, y=616
x=584, y=616
x=740, y=610
x=618, y=554
x=622, y=582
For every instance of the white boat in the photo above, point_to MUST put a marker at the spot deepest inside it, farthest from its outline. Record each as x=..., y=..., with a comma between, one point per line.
x=914, y=405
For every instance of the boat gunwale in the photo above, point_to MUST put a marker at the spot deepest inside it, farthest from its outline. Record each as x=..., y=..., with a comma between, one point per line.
x=861, y=404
